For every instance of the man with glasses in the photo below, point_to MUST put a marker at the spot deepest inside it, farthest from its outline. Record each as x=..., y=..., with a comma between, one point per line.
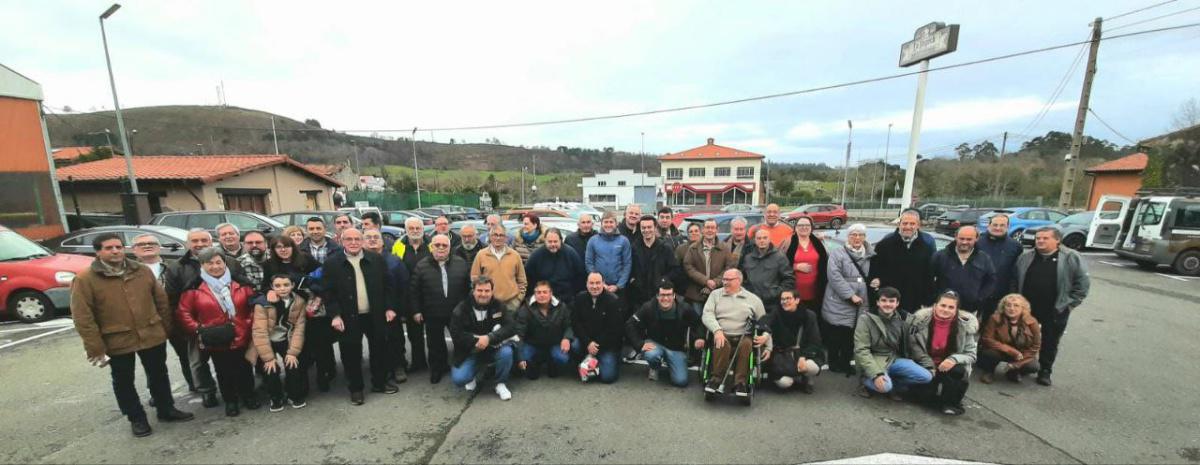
x=412, y=248
x=662, y=329
x=728, y=313
x=441, y=225
x=146, y=249
x=470, y=244
x=503, y=265
x=254, y=255
x=439, y=283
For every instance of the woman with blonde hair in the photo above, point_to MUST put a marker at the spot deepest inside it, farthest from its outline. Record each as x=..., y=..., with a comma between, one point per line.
x=1010, y=342
x=295, y=233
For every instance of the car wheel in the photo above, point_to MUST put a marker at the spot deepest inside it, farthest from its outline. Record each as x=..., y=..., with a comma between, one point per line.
x=835, y=223
x=1146, y=265
x=31, y=306
x=1074, y=241
x=1188, y=263
x=1016, y=234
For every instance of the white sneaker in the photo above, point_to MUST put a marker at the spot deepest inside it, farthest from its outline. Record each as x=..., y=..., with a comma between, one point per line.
x=652, y=374
x=470, y=387
x=502, y=391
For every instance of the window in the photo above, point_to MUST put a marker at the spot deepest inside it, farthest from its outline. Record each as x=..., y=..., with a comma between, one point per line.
x=602, y=198
x=1188, y=217
x=1055, y=216
x=1036, y=215
x=312, y=200
x=722, y=172
x=245, y=223
x=1111, y=210
x=674, y=174
x=205, y=220
x=620, y=183
x=695, y=172
x=745, y=172
x=601, y=183
x=174, y=221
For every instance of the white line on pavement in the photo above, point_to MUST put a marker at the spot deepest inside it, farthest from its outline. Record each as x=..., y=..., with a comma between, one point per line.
x=1172, y=277
x=18, y=330
x=57, y=323
x=1115, y=264
x=39, y=336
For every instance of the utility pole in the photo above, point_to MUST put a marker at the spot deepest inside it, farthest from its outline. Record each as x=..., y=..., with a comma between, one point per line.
x=1003, y=144
x=275, y=138
x=883, y=182
x=416, y=172
x=846, y=169
x=1068, y=183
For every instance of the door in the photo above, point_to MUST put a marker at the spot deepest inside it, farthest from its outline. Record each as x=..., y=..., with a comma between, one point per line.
x=1106, y=224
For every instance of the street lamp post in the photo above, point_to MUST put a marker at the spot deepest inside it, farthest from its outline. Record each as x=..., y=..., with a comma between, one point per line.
x=416, y=172
x=133, y=187
x=883, y=183
x=846, y=170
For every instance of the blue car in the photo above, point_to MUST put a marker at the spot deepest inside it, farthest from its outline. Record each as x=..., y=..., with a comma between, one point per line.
x=1022, y=218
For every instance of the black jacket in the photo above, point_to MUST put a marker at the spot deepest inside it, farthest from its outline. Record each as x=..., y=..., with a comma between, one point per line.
x=273, y=267
x=1004, y=252
x=468, y=254
x=341, y=293
x=332, y=248
x=425, y=287
x=602, y=322
x=974, y=281
x=413, y=255
x=630, y=233
x=547, y=330
x=184, y=272
x=798, y=330
x=563, y=270
x=464, y=327
x=767, y=274
x=650, y=266
x=671, y=329
x=578, y=241
x=905, y=267
x=822, y=266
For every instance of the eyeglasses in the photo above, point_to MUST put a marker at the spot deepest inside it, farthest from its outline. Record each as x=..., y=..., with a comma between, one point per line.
x=146, y=244
x=440, y=246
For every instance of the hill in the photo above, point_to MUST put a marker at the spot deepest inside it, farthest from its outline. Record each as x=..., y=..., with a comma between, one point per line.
x=187, y=129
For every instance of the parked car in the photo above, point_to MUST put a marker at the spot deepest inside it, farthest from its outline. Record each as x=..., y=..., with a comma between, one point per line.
x=92, y=220
x=684, y=212
x=425, y=217
x=950, y=221
x=517, y=214
x=173, y=240
x=245, y=221
x=1074, y=230
x=473, y=214
x=1163, y=229
x=1022, y=218
x=876, y=234
x=934, y=210
x=300, y=218
x=453, y=212
x=833, y=216
x=397, y=218
x=35, y=282
x=724, y=221
x=739, y=208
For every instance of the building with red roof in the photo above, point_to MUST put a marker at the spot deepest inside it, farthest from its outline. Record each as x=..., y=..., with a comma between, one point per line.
x=1122, y=176
x=29, y=202
x=712, y=174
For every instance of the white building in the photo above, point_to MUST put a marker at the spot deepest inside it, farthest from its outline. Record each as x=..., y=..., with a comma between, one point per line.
x=372, y=183
x=618, y=188
x=712, y=175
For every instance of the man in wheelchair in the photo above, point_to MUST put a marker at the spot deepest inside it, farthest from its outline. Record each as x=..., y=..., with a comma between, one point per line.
x=733, y=314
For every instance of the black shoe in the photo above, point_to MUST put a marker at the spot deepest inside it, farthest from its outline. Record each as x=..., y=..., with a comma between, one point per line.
x=210, y=400
x=805, y=387
x=151, y=403
x=387, y=388
x=741, y=391
x=276, y=405
x=232, y=409
x=174, y=415
x=953, y=410
x=1043, y=378
x=141, y=428
x=356, y=398
x=435, y=377
x=400, y=376
x=251, y=403
x=713, y=386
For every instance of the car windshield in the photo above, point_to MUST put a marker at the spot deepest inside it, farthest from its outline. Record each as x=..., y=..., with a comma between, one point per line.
x=1078, y=218
x=15, y=247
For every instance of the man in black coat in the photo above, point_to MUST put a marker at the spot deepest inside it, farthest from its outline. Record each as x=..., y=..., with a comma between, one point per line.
x=599, y=323
x=962, y=268
x=902, y=260
x=360, y=304
x=438, y=284
x=653, y=261
x=412, y=248
x=662, y=330
x=557, y=264
x=579, y=239
x=482, y=330
x=469, y=245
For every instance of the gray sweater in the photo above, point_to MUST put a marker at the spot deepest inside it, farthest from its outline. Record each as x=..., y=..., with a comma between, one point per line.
x=1073, y=281
x=730, y=314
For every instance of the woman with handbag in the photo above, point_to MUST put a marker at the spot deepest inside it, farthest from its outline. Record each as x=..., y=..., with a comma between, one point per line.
x=216, y=309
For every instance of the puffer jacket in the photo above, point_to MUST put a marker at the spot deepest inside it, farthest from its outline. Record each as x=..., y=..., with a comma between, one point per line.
x=1026, y=343
x=963, y=349
x=600, y=320
x=524, y=248
x=973, y=281
x=198, y=307
x=263, y=326
x=612, y=256
x=845, y=281
x=117, y=315
x=425, y=287
x=544, y=330
x=878, y=341
x=766, y=274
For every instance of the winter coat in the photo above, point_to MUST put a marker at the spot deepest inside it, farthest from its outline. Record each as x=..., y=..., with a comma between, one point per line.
x=331, y=248
x=425, y=287
x=525, y=249
x=674, y=330
x=612, y=256
x=973, y=281
x=962, y=346
x=796, y=331
x=263, y=325
x=185, y=271
x=341, y=292
x=563, y=270
x=650, y=266
x=117, y=315
x=1073, y=281
x=720, y=259
x=671, y=237
x=507, y=273
x=631, y=234
x=198, y=307
x=600, y=320
x=468, y=254
x=736, y=249
x=273, y=267
x=464, y=327
x=766, y=274
x=846, y=281
x=411, y=255
x=398, y=277
x=878, y=341
x=822, y=264
x=1026, y=343
x=905, y=267
x=544, y=330
x=1004, y=252
x=579, y=242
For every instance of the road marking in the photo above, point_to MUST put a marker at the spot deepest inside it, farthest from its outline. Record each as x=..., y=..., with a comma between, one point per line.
x=1097, y=254
x=1172, y=277
x=18, y=330
x=1115, y=264
x=39, y=336
x=57, y=323
x=894, y=459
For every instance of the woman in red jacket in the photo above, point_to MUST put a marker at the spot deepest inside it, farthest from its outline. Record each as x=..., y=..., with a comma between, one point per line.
x=222, y=307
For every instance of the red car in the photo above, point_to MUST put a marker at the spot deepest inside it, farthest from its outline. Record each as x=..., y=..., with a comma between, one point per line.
x=822, y=214
x=35, y=282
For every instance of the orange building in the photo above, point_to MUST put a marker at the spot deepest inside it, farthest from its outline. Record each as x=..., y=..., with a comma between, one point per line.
x=29, y=199
x=1122, y=176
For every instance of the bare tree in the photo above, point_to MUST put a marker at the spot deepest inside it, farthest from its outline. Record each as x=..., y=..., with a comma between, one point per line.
x=1187, y=116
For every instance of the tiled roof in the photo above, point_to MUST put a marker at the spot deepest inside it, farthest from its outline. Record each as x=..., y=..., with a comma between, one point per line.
x=203, y=168
x=711, y=151
x=1135, y=162
x=328, y=170
x=69, y=153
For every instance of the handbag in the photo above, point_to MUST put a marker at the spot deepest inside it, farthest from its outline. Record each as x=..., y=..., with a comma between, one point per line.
x=216, y=336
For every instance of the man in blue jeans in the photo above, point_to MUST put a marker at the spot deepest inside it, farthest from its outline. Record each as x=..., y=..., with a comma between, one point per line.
x=661, y=329
x=879, y=349
x=599, y=323
x=482, y=329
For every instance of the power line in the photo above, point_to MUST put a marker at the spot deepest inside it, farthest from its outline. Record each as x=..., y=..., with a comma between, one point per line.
x=1139, y=10
x=1062, y=84
x=1110, y=128
x=1156, y=18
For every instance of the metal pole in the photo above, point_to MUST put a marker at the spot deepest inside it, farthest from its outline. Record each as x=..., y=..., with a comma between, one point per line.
x=1068, y=184
x=523, y=170
x=846, y=169
x=1003, y=144
x=883, y=182
x=133, y=187
x=275, y=137
x=416, y=172
x=914, y=137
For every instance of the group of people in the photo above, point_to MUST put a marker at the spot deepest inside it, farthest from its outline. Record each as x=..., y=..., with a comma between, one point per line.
x=621, y=287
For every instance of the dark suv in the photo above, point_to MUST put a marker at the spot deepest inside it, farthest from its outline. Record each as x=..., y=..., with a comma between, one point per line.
x=950, y=221
x=245, y=221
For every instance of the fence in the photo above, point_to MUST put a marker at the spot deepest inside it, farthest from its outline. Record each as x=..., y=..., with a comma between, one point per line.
x=408, y=201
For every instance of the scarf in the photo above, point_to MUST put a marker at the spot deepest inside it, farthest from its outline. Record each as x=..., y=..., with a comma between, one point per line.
x=221, y=290
x=113, y=271
x=857, y=254
x=532, y=236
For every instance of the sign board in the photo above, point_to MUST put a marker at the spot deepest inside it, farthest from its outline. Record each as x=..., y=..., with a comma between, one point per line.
x=931, y=40
x=361, y=204
x=894, y=201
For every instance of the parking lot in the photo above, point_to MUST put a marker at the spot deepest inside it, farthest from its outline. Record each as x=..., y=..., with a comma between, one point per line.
x=1124, y=392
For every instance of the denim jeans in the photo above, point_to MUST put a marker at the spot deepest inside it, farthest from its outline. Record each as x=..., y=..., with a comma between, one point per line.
x=610, y=361
x=900, y=375
x=535, y=357
x=676, y=363
x=465, y=372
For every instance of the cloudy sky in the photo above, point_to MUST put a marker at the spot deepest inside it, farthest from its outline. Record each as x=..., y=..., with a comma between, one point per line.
x=395, y=65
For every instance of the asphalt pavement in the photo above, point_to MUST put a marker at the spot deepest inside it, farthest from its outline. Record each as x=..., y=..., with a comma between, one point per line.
x=1124, y=392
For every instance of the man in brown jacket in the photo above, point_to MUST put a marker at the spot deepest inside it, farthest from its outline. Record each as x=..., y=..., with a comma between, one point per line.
x=704, y=262
x=121, y=311
x=501, y=263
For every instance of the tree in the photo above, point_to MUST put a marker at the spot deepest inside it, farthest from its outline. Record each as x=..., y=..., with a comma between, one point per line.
x=784, y=186
x=312, y=122
x=1187, y=116
x=985, y=151
x=964, y=151
x=67, y=109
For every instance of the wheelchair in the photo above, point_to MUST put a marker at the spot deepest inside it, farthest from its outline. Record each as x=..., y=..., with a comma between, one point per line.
x=725, y=388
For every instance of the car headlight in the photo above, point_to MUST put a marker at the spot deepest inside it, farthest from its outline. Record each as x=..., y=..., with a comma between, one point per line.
x=64, y=277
